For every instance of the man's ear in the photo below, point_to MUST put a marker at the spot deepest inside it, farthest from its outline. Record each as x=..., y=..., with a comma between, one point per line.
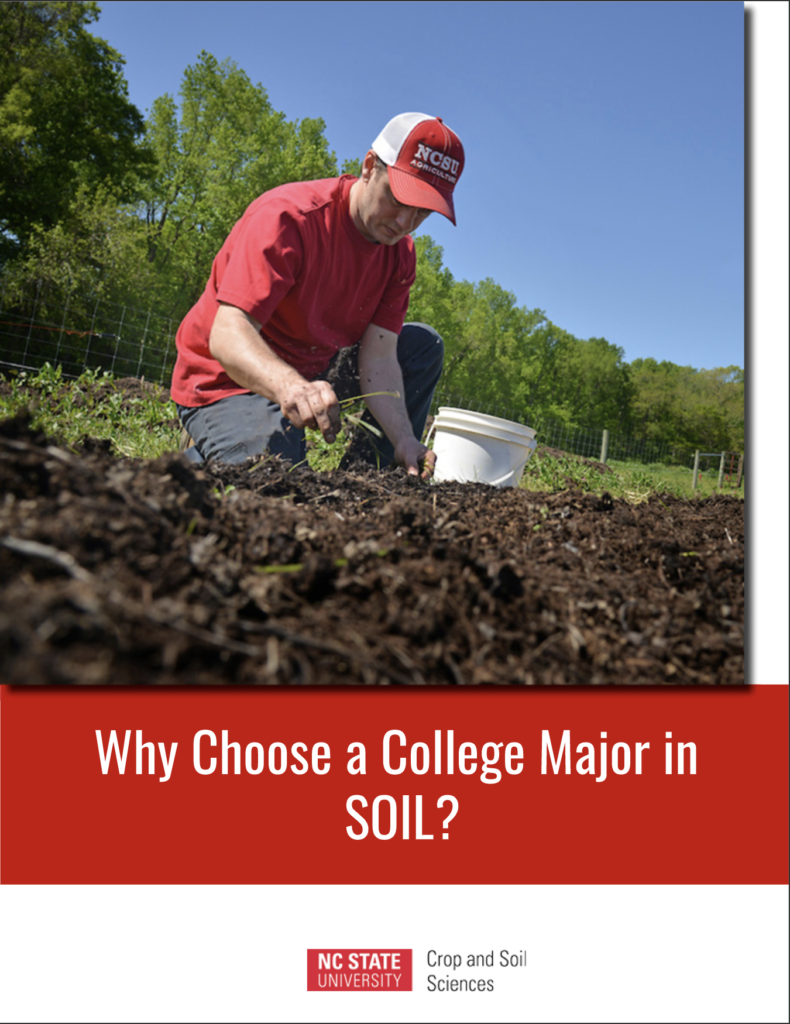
x=368, y=166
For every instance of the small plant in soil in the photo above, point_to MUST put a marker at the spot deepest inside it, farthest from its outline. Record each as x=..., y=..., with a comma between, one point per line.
x=137, y=417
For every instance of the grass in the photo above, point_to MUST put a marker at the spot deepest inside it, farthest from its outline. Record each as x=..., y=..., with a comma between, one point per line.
x=324, y=457
x=92, y=406
x=632, y=481
x=146, y=426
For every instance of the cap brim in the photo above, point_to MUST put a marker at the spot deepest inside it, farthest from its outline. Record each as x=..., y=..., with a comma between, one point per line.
x=413, y=191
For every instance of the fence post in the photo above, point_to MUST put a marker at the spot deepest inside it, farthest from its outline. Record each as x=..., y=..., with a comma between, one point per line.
x=740, y=471
x=604, y=446
x=721, y=469
x=696, y=470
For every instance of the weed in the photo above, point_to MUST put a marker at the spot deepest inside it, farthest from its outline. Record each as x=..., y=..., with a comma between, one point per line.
x=91, y=406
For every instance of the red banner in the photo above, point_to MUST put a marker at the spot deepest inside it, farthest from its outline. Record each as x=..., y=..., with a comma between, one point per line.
x=394, y=786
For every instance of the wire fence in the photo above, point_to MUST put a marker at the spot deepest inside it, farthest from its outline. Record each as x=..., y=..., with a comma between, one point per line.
x=126, y=341
x=80, y=335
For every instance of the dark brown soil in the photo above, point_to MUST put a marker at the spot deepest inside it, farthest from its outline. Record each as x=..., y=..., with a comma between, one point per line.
x=128, y=571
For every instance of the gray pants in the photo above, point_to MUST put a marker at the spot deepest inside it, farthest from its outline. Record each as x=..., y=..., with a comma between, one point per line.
x=242, y=426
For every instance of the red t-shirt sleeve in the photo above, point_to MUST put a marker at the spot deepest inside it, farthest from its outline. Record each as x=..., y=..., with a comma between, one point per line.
x=264, y=262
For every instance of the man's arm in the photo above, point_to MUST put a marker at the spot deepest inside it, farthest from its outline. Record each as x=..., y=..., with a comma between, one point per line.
x=379, y=370
x=236, y=343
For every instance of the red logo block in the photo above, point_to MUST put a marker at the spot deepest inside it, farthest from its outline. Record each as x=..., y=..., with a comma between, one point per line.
x=359, y=970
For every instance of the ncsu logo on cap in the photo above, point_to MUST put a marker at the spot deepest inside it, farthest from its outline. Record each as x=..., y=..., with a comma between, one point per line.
x=359, y=970
x=436, y=158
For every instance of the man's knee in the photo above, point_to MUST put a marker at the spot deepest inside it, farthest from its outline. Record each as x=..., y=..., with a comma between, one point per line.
x=239, y=427
x=422, y=344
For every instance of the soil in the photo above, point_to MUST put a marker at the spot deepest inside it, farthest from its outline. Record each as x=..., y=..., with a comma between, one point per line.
x=119, y=571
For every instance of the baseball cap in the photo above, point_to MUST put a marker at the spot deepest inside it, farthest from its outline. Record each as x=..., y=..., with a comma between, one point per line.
x=424, y=159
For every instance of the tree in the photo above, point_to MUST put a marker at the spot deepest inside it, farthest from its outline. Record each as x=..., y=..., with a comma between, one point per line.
x=211, y=155
x=432, y=295
x=688, y=407
x=65, y=118
x=219, y=151
x=543, y=390
x=597, y=385
x=96, y=250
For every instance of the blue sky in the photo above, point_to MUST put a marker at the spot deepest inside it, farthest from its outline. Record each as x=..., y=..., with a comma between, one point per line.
x=604, y=140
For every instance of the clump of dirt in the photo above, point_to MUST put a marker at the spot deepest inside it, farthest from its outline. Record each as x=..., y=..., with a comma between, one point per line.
x=120, y=571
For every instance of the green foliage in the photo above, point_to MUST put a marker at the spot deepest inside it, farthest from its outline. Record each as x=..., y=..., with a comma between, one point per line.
x=323, y=457
x=597, y=385
x=95, y=250
x=65, y=117
x=513, y=361
x=352, y=166
x=213, y=153
x=432, y=296
x=145, y=426
x=92, y=406
x=550, y=474
x=683, y=406
x=489, y=349
x=218, y=151
x=501, y=355
x=495, y=359
x=546, y=473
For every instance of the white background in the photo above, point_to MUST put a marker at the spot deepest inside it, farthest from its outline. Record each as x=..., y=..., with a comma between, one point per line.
x=595, y=952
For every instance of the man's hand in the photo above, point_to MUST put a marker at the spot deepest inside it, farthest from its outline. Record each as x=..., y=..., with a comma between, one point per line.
x=416, y=458
x=311, y=404
x=381, y=378
x=236, y=343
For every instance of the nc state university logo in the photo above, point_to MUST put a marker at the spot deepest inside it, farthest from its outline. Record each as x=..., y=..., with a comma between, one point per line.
x=435, y=162
x=359, y=970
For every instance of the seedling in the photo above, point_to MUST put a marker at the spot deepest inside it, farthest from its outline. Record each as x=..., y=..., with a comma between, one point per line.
x=346, y=403
x=356, y=418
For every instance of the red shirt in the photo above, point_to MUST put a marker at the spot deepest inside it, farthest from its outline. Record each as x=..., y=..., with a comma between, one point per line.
x=298, y=265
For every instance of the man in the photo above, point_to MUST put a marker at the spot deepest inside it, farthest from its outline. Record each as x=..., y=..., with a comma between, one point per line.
x=313, y=268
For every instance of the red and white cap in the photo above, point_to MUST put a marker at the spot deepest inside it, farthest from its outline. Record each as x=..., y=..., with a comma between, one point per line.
x=424, y=161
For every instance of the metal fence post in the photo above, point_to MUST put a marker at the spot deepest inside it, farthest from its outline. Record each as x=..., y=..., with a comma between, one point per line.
x=721, y=470
x=696, y=470
x=604, y=446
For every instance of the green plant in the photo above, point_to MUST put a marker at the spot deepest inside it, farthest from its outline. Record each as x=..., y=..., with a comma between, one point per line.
x=92, y=405
x=631, y=481
x=324, y=457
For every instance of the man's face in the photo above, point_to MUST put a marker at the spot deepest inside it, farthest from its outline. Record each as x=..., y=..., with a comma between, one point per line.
x=380, y=217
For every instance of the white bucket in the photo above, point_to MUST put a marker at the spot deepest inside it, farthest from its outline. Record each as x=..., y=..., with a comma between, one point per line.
x=472, y=447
